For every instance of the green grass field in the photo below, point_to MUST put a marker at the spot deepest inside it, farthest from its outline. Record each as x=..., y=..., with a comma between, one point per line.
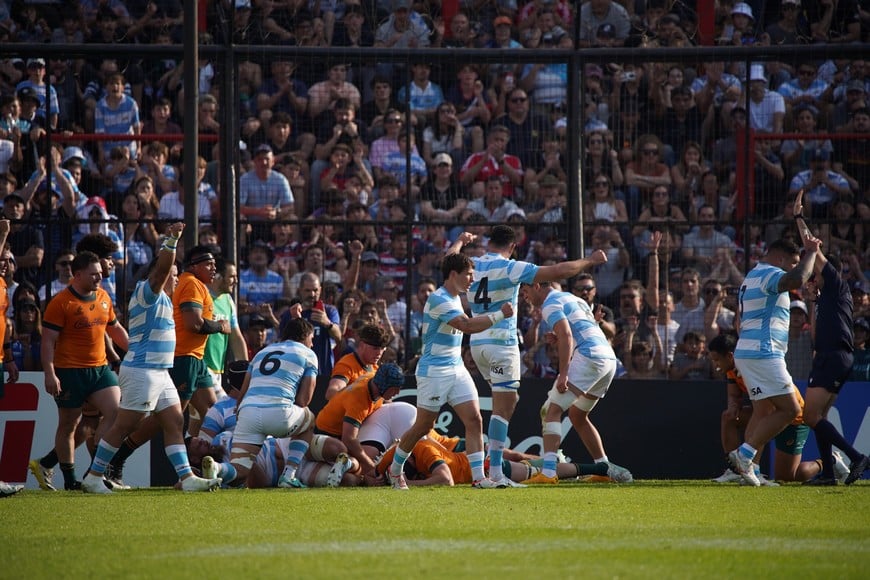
x=684, y=529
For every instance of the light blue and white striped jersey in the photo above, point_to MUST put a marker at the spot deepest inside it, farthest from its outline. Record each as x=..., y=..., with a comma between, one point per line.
x=276, y=372
x=589, y=340
x=496, y=281
x=442, y=344
x=764, y=314
x=151, y=329
x=118, y=121
x=221, y=416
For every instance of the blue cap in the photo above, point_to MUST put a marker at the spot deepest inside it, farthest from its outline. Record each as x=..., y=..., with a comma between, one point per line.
x=388, y=375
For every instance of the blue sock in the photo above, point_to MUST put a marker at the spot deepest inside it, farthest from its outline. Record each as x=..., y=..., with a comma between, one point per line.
x=747, y=451
x=549, y=468
x=398, y=463
x=177, y=455
x=227, y=472
x=103, y=456
x=476, y=462
x=498, y=429
x=296, y=451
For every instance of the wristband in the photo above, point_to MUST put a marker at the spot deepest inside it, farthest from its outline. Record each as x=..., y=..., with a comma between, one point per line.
x=495, y=317
x=169, y=243
x=209, y=327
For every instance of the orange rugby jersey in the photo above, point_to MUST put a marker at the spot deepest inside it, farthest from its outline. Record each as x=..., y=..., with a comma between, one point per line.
x=350, y=405
x=734, y=377
x=190, y=293
x=350, y=368
x=428, y=455
x=81, y=322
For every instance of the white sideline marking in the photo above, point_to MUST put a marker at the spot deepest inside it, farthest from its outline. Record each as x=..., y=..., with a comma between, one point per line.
x=782, y=544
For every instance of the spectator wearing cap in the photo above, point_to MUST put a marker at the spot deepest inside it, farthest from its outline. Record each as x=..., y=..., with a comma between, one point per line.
x=861, y=355
x=502, y=28
x=369, y=269
x=834, y=22
x=494, y=161
x=264, y=194
x=821, y=184
x=806, y=89
x=551, y=206
x=36, y=81
x=596, y=14
x=851, y=156
x=741, y=32
x=256, y=334
x=442, y=197
x=322, y=95
x=258, y=284
x=848, y=98
x=766, y=107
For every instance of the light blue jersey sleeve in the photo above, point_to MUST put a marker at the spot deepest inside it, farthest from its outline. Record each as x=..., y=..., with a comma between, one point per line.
x=442, y=344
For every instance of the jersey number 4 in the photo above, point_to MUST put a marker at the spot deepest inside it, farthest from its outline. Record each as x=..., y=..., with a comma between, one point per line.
x=482, y=294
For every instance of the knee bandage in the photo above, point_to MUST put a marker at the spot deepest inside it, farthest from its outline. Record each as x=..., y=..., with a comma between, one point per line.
x=315, y=449
x=193, y=413
x=552, y=428
x=585, y=404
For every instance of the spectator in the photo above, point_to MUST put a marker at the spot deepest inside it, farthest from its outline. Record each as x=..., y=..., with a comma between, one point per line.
x=396, y=261
x=324, y=318
x=687, y=172
x=716, y=88
x=63, y=271
x=790, y=28
x=284, y=93
x=442, y=197
x=851, y=155
x=700, y=246
x=807, y=90
x=494, y=205
x=258, y=284
x=446, y=135
x=353, y=30
x=406, y=166
x=36, y=81
x=821, y=185
x=264, y=194
x=323, y=95
x=550, y=208
x=494, y=161
x=526, y=128
x=610, y=275
x=172, y=203
x=766, y=108
x=116, y=114
x=852, y=98
x=472, y=104
x=601, y=159
x=682, y=121
x=642, y=362
x=691, y=362
x=799, y=357
x=603, y=23
x=834, y=21
x=646, y=174
x=660, y=209
x=546, y=84
x=26, y=338
x=797, y=153
x=402, y=29
x=313, y=263
x=842, y=233
x=861, y=364
x=422, y=94
x=703, y=315
x=602, y=204
x=256, y=334
x=154, y=164
x=25, y=241
x=140, y=236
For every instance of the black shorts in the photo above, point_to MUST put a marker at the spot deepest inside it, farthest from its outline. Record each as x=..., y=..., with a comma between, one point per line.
x=830, y=370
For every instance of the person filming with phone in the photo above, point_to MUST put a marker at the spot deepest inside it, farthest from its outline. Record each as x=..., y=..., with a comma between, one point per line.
x=324, y=318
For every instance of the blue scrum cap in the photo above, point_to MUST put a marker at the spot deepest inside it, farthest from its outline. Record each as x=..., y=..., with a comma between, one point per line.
x=389, y=375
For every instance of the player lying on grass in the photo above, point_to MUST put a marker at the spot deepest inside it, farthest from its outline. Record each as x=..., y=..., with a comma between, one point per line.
x=787, y=464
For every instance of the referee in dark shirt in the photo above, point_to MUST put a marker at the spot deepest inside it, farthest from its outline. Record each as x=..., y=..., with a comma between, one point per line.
x=832, y=361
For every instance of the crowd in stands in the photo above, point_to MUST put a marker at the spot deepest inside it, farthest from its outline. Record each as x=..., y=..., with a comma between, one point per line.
x=362, y=180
